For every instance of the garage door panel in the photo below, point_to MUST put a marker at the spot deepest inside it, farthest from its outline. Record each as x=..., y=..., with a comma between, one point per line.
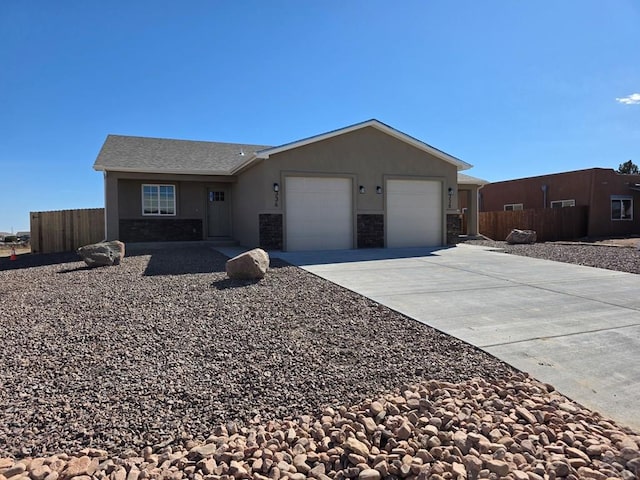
x=319, y=213
x=414, y=213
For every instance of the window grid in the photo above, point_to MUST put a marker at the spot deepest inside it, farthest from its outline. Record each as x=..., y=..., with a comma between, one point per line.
x=158, y=199
x=217, y=196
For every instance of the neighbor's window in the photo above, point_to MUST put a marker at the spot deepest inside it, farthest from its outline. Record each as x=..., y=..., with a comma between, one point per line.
x=563, y=203
x=621, y=207
x=513, y=206
x=158, y=199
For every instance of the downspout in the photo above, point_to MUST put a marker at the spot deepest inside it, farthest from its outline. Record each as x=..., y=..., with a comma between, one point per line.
x=104, y=176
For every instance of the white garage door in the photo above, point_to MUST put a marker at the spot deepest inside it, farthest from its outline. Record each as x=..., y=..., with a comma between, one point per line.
x=414, y=213
x=319, y=213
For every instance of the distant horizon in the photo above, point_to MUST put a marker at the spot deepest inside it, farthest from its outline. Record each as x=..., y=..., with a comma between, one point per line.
x=517, y=89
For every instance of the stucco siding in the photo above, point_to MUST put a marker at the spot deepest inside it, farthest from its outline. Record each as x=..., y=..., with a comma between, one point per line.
x=253, y=195
x=368, y=156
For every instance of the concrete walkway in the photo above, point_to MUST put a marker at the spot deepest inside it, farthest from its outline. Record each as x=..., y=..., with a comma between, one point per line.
x=577, y=328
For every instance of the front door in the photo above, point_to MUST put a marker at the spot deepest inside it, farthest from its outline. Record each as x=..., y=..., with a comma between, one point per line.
x=218, y=212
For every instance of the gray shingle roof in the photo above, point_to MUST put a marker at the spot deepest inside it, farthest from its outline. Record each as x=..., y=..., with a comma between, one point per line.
x=142, y=154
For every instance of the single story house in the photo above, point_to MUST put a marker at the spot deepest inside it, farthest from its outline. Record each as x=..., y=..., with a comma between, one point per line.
x=610, y=197
x=365, y=185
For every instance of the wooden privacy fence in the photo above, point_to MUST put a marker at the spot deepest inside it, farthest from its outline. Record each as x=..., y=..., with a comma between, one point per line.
x=550, y=224
x=66, y=230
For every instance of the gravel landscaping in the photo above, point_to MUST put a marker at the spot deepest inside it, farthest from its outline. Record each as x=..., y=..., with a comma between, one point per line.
x=162, y=368
x=159, y=349
x=609, y=256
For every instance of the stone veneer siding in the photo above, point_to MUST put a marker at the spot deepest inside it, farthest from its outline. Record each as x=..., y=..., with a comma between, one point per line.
x=454, y=228
x=370, y=230
x=160, y=230
x=271, y=231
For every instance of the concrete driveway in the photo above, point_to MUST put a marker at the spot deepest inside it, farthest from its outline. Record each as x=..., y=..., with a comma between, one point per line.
x=577, y=328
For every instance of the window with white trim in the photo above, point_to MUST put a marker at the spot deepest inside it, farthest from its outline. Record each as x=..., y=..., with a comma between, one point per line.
x=563, y=203
x=513, y=206
x=621, y=207
x=158, y=199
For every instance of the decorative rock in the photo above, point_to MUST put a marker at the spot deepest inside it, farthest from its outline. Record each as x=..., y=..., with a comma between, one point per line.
x=521, y=236
x=376, y=408
x=318, y=470
x=119, y=474
x=404, y=432
x=77, y=466
x=203, y=451
x=251, y=265
x=473, y=464
x=561, y=469
x=575, y=453
x=498, y=467
x=300, y=462
x=526, y=415
x=369, y=424
x=459, y=470
x=356, y=446
x=369, y=474
x=39, y=473
x=586, y=472
x=102, y=254
x=15, y=470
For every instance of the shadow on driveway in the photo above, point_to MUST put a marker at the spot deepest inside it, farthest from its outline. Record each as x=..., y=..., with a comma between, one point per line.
x=359, y=255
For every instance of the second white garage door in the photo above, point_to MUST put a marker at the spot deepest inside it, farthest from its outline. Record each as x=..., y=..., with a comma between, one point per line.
x=319, y=213
x=414, y=213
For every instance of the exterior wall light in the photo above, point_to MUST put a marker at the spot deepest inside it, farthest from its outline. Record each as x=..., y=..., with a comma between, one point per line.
x=450, y=196
x=379, y=190
x=362, y=189
x=276, y=189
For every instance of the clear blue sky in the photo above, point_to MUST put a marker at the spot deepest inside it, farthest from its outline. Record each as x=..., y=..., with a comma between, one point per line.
x=515, y=88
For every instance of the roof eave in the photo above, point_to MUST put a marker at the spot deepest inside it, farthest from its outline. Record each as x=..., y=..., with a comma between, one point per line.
x=162, y=171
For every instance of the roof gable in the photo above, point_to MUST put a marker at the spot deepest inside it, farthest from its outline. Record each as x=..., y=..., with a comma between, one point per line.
x=460, y=165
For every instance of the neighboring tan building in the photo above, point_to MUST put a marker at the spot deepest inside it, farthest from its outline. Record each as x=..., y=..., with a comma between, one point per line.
x=366, y=185
x=612, y=197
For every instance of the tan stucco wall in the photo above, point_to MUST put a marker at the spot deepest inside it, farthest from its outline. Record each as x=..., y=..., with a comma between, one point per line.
x=124, y=196
x=369, y=156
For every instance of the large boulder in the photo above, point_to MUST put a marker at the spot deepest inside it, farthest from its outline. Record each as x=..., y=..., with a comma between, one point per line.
x=102, y=254
x=249, y=265
x=521, y=236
